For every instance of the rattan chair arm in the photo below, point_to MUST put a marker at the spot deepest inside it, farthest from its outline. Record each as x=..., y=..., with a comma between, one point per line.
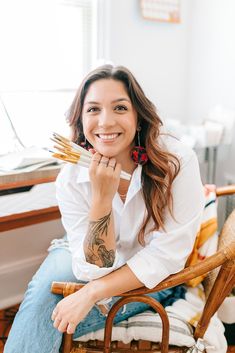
x=220, y=257
x=65, y=288
x=225, y=190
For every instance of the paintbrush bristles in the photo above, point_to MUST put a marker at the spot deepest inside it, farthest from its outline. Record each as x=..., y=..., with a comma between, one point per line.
x=73, y=153
x=67, y=142
x=64, y=158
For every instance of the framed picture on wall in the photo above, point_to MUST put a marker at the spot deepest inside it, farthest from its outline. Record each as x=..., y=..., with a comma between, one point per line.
x=161, y=10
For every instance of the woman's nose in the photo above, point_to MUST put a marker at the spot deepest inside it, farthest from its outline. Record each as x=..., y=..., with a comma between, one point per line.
x=106, y=119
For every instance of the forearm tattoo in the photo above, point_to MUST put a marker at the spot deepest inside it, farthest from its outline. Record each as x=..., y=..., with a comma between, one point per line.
x=97, y=251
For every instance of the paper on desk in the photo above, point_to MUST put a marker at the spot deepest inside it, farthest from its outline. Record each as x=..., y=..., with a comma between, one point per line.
x=28, y=159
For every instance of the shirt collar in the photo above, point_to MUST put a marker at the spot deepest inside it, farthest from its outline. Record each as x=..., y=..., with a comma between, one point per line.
x=136, y=177
x=135, y=184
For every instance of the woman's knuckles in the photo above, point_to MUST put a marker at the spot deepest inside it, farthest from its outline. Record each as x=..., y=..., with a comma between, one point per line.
x=62, y=330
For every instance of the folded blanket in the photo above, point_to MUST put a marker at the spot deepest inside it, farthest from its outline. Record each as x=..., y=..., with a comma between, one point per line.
x=206, y=242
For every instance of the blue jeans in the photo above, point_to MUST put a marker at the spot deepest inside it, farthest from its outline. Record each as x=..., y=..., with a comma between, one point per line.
x=33, y=331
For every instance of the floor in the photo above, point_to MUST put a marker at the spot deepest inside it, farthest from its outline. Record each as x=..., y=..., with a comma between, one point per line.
x=7, y=316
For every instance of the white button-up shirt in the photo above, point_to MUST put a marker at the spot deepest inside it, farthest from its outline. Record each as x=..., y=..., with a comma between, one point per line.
x=165, y=252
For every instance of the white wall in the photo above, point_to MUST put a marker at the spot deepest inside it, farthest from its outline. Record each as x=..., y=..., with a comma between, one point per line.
x=185, y=69
x=155, y=52
x=211, y=56
x=212, y=68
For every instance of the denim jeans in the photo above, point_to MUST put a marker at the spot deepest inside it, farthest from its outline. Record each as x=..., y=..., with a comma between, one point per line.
x=33, y=331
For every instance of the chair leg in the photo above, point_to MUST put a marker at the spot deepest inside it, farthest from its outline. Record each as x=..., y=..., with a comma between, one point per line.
x=218, y=293
x=228, y=288
x=67, y=343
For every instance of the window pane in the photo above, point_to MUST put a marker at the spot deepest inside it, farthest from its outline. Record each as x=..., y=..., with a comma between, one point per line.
x=46, y=48
x=42, y=44
x=36, y=115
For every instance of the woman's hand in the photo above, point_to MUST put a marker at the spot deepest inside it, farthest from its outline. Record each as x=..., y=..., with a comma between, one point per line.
x=71, y=310
x=105, y=177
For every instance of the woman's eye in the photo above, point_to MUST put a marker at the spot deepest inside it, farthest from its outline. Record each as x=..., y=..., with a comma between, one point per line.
x=92, y=109
x=120, y=108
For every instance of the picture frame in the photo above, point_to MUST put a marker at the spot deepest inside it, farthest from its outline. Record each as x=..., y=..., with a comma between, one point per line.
x=161, y=10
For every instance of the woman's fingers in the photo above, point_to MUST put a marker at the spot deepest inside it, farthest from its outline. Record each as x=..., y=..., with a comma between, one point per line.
x=99, y=162
x=96, y=158
x=63, y=326
x=57, y=322
x=112, y=163
x=54, y=313
x=71, y=328
x=104, y=176
x=71, y=310
x=103, y=162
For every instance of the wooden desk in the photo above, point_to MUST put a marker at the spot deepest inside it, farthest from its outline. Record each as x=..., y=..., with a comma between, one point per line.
x=16, y=180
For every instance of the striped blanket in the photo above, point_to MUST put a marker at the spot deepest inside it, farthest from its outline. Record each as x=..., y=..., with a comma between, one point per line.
x=206, y=242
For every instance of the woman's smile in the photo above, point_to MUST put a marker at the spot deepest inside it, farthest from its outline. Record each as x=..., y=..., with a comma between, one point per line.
x=108, y=137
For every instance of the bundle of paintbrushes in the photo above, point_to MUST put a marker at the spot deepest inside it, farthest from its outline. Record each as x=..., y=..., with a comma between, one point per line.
x=73, y=153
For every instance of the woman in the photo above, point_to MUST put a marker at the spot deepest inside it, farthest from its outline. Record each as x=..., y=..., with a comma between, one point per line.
x=122, y=234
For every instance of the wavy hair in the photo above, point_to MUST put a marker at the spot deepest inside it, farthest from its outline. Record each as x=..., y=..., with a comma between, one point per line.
x=162, y=167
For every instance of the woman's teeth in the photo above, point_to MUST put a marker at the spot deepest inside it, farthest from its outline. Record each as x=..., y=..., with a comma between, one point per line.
x=108, y=137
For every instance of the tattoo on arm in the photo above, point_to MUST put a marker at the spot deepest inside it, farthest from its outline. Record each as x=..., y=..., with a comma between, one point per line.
x=95, y=231
x=106, y=256
x=97, y=228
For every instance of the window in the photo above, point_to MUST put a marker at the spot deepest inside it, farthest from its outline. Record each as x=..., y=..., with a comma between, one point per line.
x=46, y=48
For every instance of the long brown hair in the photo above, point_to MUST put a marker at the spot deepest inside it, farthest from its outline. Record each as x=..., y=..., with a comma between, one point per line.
x=162, y=167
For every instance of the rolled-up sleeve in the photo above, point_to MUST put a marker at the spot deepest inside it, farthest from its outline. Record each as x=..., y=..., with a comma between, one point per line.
x=74, y=208
x=166, y=251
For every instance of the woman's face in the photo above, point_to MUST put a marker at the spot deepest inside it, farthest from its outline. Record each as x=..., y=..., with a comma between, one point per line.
x=109, y=119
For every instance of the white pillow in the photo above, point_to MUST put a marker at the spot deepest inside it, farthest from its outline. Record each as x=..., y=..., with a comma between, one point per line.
x=226, y=311
x=147, y=326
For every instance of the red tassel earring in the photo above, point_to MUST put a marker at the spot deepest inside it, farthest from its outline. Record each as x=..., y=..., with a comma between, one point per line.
x=138, y=153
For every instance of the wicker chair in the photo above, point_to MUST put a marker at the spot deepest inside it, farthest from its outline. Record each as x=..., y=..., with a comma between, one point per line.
x=217, y=288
